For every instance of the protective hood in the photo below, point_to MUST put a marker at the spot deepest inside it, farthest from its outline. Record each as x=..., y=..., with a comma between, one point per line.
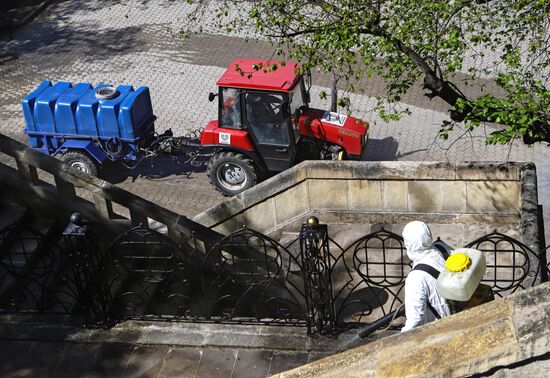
x=418, y=241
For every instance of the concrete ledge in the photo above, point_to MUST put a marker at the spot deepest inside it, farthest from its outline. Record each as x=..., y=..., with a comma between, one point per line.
x=496, y=335
x=530, y=214
x=59, y=328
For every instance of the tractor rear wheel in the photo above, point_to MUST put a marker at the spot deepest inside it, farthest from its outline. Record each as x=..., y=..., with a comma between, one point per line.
x=231, y=173
x=80, y=161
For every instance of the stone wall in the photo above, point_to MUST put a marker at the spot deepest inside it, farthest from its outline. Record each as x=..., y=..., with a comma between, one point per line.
x=378, y=192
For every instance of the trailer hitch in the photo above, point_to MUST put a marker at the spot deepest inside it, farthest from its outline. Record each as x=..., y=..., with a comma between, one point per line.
x=167, y=143
x=188, y=145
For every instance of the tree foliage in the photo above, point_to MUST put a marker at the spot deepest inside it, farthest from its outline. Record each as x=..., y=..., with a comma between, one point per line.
x=444, y=43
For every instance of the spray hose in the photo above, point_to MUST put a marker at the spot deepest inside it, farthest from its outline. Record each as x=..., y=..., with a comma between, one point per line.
x=384, y=321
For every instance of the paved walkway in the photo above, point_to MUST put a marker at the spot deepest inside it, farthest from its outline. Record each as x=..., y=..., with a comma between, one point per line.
x=66, y=359
x=88, y=41
x=35, y=348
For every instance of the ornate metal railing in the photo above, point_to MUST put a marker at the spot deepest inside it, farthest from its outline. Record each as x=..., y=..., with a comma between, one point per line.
x=244, y=278
x=28, y=267
x=154, y=279
x=511, y=265
x=377, y=266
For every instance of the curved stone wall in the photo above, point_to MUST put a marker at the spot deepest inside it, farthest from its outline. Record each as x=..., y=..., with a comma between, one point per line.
x=382, y=193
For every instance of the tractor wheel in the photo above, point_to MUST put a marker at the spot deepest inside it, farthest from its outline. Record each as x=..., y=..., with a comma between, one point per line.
x=231, y=173
x=81, y=162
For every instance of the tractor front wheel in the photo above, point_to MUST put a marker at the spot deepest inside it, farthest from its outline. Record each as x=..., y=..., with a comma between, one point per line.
x=231, y=173
x=80, y=161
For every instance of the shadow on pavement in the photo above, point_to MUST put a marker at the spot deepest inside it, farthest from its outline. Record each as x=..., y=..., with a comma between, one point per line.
x=16, y=13
x=158, y=167
x=61, y=35
x=386, y=149
x=381, y=149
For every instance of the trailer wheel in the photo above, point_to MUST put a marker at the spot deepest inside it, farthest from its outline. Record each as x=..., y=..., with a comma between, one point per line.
x=81, y=162
x=231, y=173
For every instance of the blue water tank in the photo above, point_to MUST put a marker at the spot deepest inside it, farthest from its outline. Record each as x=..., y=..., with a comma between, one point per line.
x=65, y=109
x=107, y=115
x=29, y=103
x=86, y=112
x=136, y=111
x=54, y=111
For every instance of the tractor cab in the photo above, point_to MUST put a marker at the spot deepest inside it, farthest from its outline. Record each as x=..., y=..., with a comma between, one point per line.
x=263, y=103
x=265, y=125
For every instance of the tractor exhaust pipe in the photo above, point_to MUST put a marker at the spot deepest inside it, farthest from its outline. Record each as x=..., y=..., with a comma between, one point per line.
x=334, y=95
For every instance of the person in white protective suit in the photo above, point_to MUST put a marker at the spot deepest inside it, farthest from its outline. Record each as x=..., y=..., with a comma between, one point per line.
x=421, y=297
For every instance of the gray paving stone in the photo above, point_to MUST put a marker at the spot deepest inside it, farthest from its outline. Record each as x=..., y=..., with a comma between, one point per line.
x=110, y=360
x=316, y=356
x=145, y=362
x=180, y=363
x=78, y=358
x=252, y=363
x=29, y=359
x=216, y=363
x=286, y=361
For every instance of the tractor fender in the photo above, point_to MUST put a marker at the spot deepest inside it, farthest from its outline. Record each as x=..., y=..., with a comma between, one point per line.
x=90, y=147
x=225, y=137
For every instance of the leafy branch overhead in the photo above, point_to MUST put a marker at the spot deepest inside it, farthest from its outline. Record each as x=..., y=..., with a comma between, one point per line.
x=444, y=43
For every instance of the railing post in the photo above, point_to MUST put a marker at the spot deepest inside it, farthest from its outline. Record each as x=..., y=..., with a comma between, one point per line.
x=27, y=171
x=64, y=188
x=103, y=206
x=83, y=252
x=138, y=218
x=317, y=269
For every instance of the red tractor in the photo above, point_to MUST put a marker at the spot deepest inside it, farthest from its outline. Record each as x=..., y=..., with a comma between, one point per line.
x=265, y=125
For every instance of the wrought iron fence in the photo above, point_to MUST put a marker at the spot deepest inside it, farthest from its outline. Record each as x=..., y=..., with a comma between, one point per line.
x=154, y=279
x=245, y=278
x=511, y=265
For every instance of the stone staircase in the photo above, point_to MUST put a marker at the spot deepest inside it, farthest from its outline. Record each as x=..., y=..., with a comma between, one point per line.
x=37, y=196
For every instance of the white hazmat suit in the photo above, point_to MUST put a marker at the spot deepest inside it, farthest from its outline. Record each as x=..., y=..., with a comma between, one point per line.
x=420, y=286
